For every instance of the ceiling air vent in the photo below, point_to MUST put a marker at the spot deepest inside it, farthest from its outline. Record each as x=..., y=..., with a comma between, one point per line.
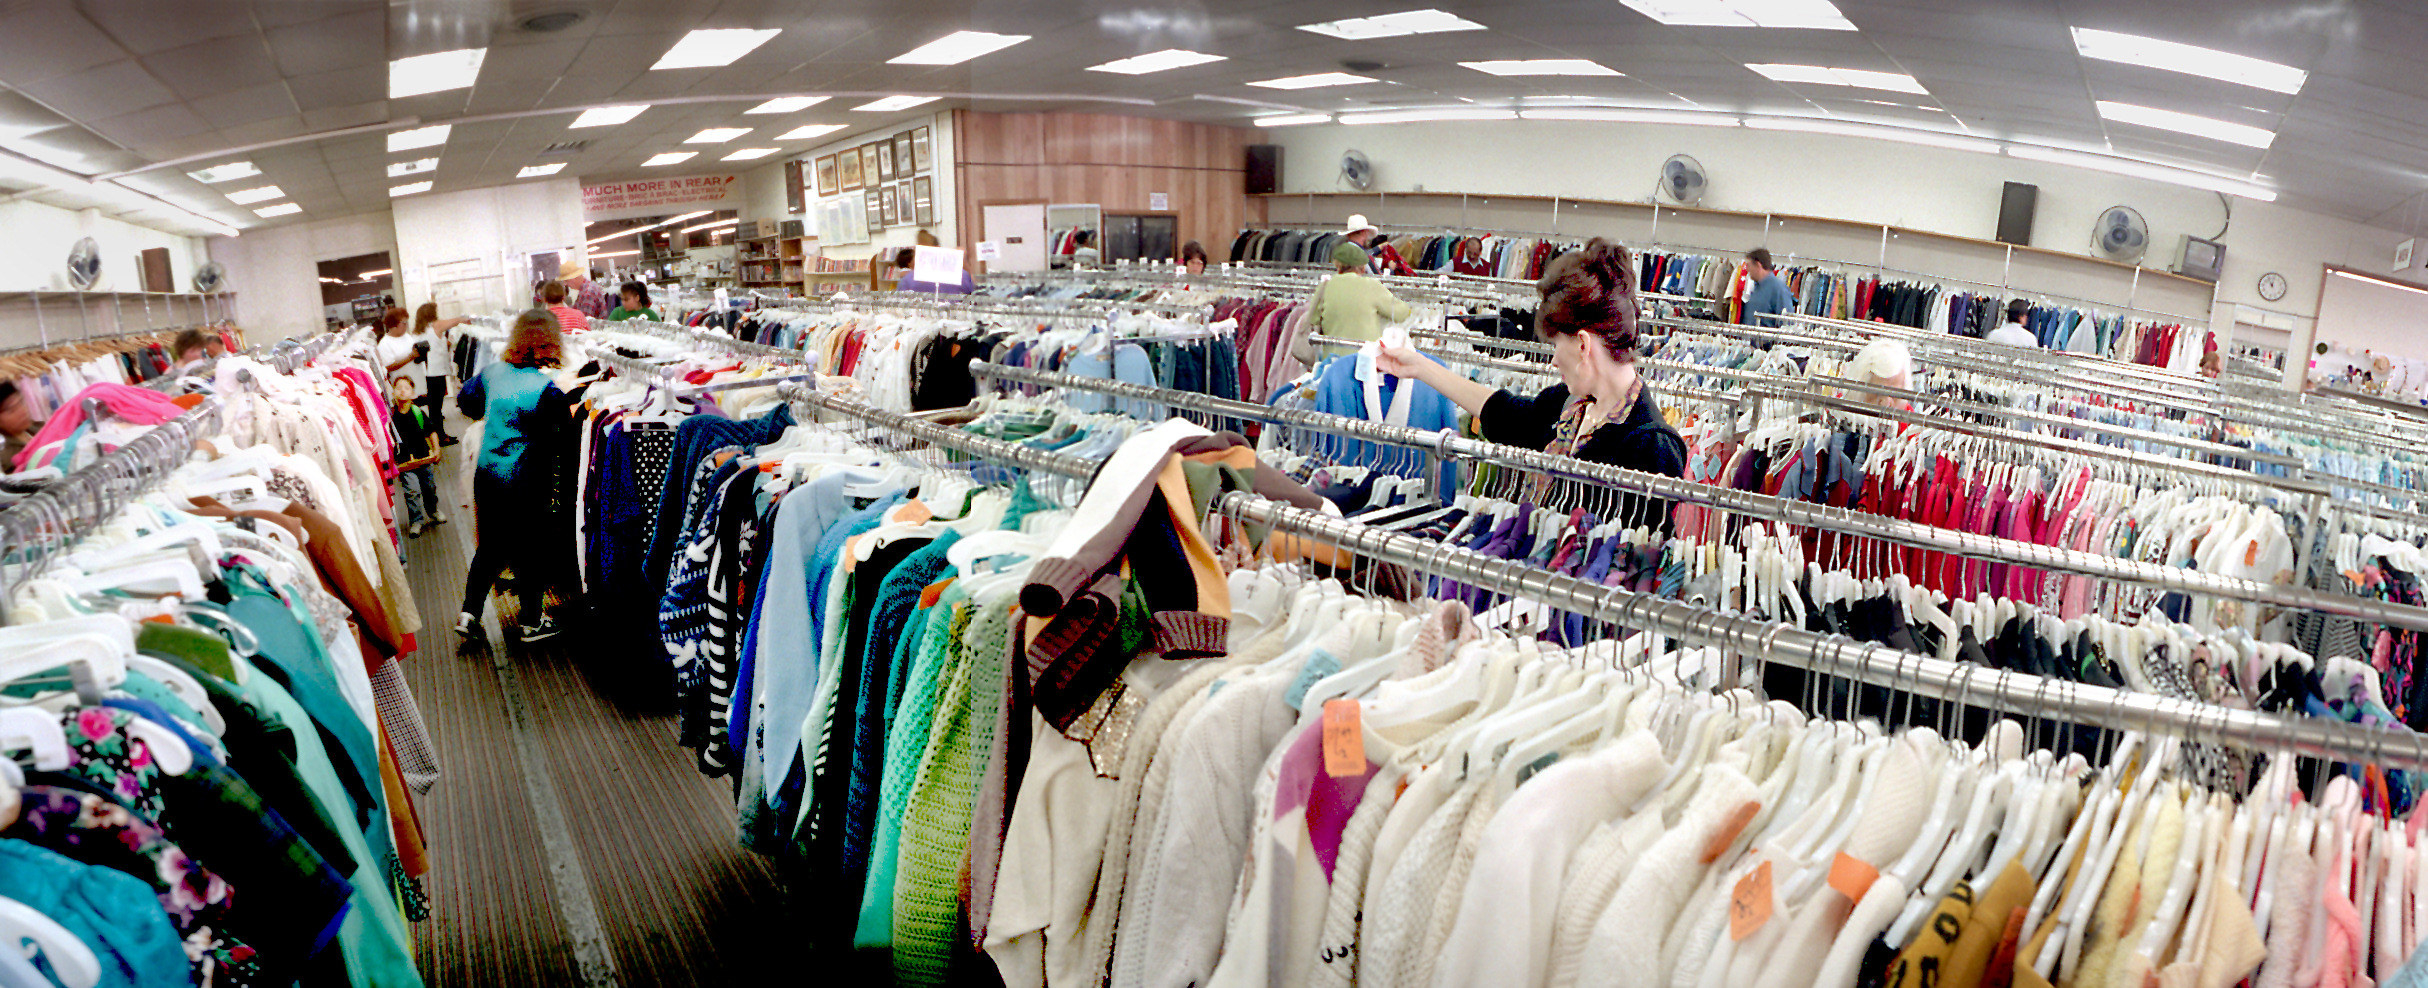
x=565, y=147
x=548, y=19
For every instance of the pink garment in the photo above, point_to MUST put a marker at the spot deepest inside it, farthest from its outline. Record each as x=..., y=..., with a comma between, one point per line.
x=1329, y=799
x=125, y=402
x=2343, y=948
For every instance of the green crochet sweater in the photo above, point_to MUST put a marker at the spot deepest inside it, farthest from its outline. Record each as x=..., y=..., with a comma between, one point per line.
x=934, y=634
x=936, y=817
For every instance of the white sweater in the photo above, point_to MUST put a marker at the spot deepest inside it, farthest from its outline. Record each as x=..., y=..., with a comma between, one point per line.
x=1648, y=902
x=1398, y=919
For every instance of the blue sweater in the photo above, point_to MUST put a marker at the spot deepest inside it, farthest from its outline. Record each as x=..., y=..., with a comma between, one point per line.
x=515, y=405
x=1769, y=297
x=1340, y=389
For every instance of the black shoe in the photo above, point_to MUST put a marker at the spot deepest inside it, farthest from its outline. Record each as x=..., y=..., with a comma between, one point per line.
x=467, y=626
x=546, y=629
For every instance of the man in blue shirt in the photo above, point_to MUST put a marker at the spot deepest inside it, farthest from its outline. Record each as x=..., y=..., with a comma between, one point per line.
x=1769, y=295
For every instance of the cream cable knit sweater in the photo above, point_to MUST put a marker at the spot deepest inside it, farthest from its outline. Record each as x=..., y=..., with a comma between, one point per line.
x=1893, y=813
x=1402, y=914
x=1629, y=933
x=1454, y=884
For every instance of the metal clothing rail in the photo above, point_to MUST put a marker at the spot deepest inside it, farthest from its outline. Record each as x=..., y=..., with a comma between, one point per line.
x=1787, y=511
x=2002, y=690
x=1000, y=305
x=1543, y=369
x=37, y=530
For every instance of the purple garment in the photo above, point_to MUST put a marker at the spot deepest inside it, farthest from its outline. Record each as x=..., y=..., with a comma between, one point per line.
x=1329, y=799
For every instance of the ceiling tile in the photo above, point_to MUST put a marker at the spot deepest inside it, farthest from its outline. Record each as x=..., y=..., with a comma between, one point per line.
x=106, y=91
x=47, y=40
x=145, y=28
x=245, y=106
x=353, y=39
x=344, y=86
x=212, y=67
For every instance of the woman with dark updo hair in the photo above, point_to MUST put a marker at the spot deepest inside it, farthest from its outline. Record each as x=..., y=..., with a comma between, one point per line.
x=1600, y=410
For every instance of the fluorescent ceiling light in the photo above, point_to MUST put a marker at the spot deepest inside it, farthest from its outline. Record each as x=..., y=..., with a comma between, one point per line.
x=607, y=116
x=381, y=273
x=2143, y=169
x=1815, y=14
x=413, y=167
x=713, y=47
x=716, y=135
x=535, y=171
x=1156, y=61
x=281, y=209
x=1313, y=81
x=1822, y=75
x=712, y=225
x=807, y=131
x=407, y=189
x=892, y=103
x=2207, y=63
x=746, y=154
x=1394, y=25
x=1542, y=66
x=956, y=48
x=669, y=221
x=419, y=137
x=1420, y=116
x=1689, y=118
x=1293, y=119
x=436, y=72
x=669, y=158
x=222, y=173
x=1907, y=135
x=787, y=104
x=2377, y=281
x=333, y=281
x=2185, y=123
x=262, y=194
x=613, y=253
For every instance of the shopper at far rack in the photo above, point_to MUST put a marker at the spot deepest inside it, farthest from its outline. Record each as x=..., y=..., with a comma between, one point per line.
x=568, y=318
x=903, y=261
x=191, y=347
x=398, y=354
x=1600, y=411
x=1193, y=258
x=633, y=303
x=416, y=451
x=2013, y=332
x=1768, y=297
x=431, y=330
x=1086, y=255
x=2212, y=363
x=581, y=292
x=1350, y=304
x=17, y=425
x=523, y=417
x=1379, y=260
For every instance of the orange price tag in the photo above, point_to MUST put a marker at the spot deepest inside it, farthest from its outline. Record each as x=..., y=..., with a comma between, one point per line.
x=1852, y=876
x=935, y=592
x=1749, y=906
x=1344, y=739
x=1727, y=834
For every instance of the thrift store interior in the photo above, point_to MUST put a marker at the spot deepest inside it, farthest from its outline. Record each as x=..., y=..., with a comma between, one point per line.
x=1646, y=493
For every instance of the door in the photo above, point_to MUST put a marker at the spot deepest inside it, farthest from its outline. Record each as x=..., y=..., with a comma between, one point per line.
x=1017, y=231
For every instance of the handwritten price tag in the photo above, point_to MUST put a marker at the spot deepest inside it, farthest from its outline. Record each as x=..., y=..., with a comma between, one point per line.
x=1344, y=739
x=1749, y=906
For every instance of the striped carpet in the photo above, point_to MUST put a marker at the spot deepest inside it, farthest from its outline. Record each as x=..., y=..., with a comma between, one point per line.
x=572, y=842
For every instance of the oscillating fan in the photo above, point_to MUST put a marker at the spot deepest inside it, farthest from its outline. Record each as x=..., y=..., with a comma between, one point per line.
x=84, y=264
x=211, y=278
x=1356, y=170
x=2121, y=235
x=1682, y=177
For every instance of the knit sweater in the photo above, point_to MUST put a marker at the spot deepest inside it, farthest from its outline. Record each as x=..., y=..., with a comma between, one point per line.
x=1654, y=892
x=1335, y=963
x=914, y=721
x=1398, y=920
x=936, y=818
x=1895, y=802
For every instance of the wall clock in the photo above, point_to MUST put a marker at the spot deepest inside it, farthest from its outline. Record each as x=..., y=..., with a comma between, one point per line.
x=2272, y=286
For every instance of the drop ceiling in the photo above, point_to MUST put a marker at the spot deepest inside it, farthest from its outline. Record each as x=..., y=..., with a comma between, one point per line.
x=116, y=86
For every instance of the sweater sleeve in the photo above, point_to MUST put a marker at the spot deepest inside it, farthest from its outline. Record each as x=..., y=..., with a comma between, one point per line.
x=1514, y=421
x=1389, y=306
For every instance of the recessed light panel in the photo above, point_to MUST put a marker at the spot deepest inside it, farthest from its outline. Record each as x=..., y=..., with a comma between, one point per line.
x=892, y=103
x=1822, y=75
x=262, y=194
x=1542, y=66
x=224, y=173
x=1427, y=116
x=808, y=131
x=713, y=47
x=716, y=135
x=1293, y=119
x=281, y=209
x=2142, y=169
x=1905, y=135
x=1685, y=118
x=2207, y=63
x=1313, y=81
x=668, y=158
x=413, y=167
x=535, y=171
x=1394, y=25
x=787, y=104
x=436, y=72
x=607, y=116
x=2185, y=123
x=406, y=190
x=1158, y=61
x=419, y=137
x=746, y=154
x=957, y=47
x=1819, y=15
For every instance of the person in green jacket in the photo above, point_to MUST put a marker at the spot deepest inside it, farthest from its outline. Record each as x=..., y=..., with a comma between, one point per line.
x=633, y=303
x=1350, y=304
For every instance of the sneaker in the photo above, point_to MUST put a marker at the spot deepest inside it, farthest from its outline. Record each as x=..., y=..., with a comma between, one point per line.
x=467, y=626
x=546, y=629
x=415, y=530
x=438, y=519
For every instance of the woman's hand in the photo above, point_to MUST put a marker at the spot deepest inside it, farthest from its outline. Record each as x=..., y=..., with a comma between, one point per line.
x=1400, y=361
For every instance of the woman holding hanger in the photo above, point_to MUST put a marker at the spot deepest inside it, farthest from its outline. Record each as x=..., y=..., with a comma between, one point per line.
x=1600, y=411
x=522, y=415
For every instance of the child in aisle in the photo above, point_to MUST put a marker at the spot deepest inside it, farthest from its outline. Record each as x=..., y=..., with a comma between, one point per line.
x=419, y=487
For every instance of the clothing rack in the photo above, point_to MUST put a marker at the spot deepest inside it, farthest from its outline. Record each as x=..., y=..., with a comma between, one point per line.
x=998, y=306
x=2000, y=690
x=1542, y=369
x=52, y=520
x=1786, y=511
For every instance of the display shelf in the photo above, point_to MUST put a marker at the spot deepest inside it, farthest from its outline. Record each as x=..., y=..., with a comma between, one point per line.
x=38, y=318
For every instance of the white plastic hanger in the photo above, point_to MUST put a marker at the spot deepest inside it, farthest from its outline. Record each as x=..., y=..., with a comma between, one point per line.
x=69, y=958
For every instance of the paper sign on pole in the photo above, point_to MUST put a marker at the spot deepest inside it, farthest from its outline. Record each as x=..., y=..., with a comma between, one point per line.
x=941, y=265
x=989, y=250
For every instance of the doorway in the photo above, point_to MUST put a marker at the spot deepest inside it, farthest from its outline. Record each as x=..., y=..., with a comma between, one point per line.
x=356, y=289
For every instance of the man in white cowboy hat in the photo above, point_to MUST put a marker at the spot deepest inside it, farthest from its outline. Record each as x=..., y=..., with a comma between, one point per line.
x=1380, y=257
x=581, y=292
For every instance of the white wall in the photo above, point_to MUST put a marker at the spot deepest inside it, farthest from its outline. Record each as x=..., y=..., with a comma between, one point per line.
x=1932, y=189
x=2358, y=315
x=275, y=272
x=477, y=241
x=763, y=189
x=33, y=251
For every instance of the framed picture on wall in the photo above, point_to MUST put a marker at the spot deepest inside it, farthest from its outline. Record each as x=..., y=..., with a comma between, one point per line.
x=920, y=152
x=904, y=201
x=903, y=167
x=893, y=205
x=923, y=200
x=826, y=176
x=849, y=169
x=868, y=165
x=796, y=182
x=873, y=204
x=885, y=161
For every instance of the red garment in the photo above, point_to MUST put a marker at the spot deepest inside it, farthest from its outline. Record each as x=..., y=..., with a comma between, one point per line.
x=569, y=318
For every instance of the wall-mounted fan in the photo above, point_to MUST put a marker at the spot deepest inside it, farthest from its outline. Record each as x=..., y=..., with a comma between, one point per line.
x=211, y=279
x=2121, y=235
x=1683, y=179
x=84, y=264
x=1356, y=170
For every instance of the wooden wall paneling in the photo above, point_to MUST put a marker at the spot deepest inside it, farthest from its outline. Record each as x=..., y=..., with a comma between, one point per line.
x=1114, y=161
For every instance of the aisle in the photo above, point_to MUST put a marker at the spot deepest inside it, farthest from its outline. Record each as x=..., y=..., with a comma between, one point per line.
x=572, y=842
